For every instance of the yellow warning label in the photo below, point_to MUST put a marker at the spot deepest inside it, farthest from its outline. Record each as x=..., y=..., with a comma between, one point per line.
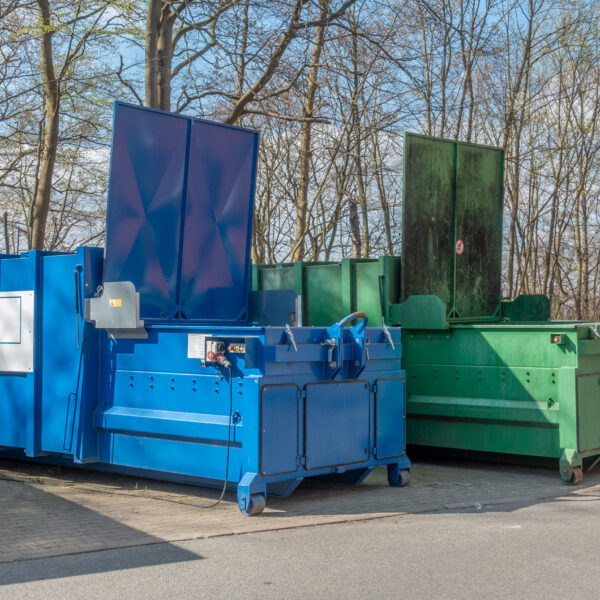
x=115, y=302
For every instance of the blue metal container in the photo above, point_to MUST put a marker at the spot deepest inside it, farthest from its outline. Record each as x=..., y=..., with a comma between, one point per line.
x=141, y=359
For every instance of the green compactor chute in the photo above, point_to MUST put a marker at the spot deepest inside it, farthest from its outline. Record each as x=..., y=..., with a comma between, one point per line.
x=484, y=374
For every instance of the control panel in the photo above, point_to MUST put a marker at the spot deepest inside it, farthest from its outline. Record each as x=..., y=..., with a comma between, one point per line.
x=214, y=350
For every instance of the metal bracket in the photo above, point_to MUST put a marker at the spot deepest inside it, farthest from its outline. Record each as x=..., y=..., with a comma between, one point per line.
x=117, y=310
x=334, y=339
x=290, y=335
x=334, y=351
x=359, y=349
x=388, y=335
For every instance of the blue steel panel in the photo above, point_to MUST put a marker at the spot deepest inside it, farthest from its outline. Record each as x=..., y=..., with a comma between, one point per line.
x=337, y=423
x=17, y=391
x=60, y=357
x=68, y=354
x=143, y=222
x=390, y=421
x=179, y=216
x=218, y=222
x=279, y=429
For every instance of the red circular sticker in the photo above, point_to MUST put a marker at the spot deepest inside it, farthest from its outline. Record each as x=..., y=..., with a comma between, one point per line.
x=460, y=247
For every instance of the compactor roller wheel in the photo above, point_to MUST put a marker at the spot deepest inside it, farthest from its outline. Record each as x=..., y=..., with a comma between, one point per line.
x=254, y=506
x=398, y=477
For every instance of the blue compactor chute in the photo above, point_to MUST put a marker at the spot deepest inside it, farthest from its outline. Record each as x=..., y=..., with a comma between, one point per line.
x=144, y=358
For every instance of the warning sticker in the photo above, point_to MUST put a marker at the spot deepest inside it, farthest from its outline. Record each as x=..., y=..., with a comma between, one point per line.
x=460, y=247
x=196, y=346
x=115, y=302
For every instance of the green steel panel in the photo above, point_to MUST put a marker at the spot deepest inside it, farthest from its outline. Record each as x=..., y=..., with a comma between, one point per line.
x=529, y=389
x=588, y=411
x=452, y=224
x=496, y=437
x=427, y=223
x=275, y=277
x=322, y=294
x=365, y=288
x=527, y=307
x=479, y=185
x=331, y=290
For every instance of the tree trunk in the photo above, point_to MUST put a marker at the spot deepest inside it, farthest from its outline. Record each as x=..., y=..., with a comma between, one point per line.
x=306, y=131
x=358, y=149
x=41, y=201
x=151, y=58
x=160, y=19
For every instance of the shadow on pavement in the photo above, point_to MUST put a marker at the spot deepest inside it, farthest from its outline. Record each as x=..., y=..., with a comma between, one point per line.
x=37, y=524
x=116, y=559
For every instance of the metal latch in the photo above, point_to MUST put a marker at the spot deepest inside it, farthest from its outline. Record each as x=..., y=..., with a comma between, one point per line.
x=290, y=335
x=388, y=335
x=331, y=343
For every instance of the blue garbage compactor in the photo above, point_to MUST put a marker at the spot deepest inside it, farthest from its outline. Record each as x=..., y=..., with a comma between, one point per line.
x=143, y=357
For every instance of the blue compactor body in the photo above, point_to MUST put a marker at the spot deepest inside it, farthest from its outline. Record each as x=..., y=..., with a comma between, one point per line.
x=143, y=357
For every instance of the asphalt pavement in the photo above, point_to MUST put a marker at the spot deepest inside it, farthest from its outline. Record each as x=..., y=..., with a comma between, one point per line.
x=460, y=530
x=547, y=550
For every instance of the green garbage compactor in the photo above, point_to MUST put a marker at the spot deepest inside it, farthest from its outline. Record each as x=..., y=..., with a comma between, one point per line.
x=484, y=374
x=523, y=389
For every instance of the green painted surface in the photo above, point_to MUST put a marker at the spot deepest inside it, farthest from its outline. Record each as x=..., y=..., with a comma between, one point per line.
x=420, y=312
x=321, y=293
x=273, y=277
x=427, y=224
x=505, y=388
x=588, y=411
x=331, y=290
x=452, y=198
x=479, y=185
x=527, y=307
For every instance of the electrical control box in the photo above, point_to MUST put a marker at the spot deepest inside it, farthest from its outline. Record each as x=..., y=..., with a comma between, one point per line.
x=214, y=350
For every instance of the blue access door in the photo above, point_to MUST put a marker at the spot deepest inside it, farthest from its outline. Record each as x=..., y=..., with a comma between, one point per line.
x=279, y=429
x=336, y=423
x=390, y=417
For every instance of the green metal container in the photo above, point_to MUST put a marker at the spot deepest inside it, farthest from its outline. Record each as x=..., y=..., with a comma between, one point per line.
x=524, y=389
x=484, y=374
x=332, y=290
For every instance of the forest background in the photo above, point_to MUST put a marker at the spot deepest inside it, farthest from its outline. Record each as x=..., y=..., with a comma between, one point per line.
x=331, y=85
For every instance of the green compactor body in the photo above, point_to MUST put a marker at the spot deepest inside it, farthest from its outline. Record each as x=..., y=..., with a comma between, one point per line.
x=484, y=374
